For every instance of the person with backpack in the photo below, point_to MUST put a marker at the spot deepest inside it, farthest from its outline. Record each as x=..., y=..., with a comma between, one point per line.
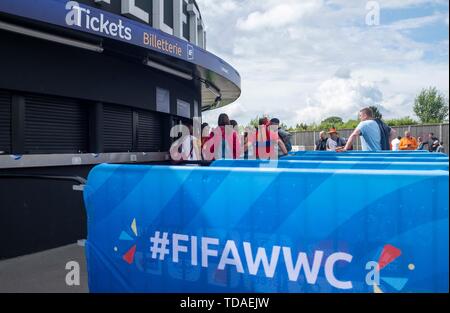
x=284, y=136
x=268, y=144
x=375, y=134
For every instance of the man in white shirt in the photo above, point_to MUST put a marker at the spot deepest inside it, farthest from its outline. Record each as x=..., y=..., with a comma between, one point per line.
x=334, y=143
x=396, y=144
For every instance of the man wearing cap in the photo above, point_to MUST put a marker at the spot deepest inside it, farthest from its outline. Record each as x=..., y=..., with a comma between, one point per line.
x=334, y=143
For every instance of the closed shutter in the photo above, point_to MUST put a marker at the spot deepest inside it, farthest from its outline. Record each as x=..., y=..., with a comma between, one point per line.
x=149, y=132
x=118, y=128
x=55, y=125
x=5, y=122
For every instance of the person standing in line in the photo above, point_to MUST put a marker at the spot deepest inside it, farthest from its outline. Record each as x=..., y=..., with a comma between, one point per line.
x=396, y=144
x=284, y=135
x=191, y=147
x=421, y=143
x=440, y=148
x=432, y=147
x=375, y=134
x=227, y=140
x=321, y=143
x=335, y=142
x=408, y=143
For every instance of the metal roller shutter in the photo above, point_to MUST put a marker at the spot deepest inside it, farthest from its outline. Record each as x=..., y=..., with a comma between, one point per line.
x=118, y=128
x=5, y=122
x=149, y=132
x=55, y=125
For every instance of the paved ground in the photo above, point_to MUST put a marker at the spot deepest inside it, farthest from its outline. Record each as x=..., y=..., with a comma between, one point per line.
x=43, y=272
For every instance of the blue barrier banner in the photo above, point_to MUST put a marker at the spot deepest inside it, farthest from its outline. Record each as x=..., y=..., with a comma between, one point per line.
x=183, y=229
x=368, y=158
x=374, y=154
x=334, y=165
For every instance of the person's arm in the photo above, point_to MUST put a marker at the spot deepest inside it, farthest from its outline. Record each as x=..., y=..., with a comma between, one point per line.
x=403, y=145
x=414, y=145
x=237, y=146
x=327, y=145
x=282, y=146
x=356, y=133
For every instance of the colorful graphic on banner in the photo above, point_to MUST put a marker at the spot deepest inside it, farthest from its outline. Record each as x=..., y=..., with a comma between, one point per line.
x=175, y=229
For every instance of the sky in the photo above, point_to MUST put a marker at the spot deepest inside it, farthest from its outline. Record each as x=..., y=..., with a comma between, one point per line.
x=305, y=60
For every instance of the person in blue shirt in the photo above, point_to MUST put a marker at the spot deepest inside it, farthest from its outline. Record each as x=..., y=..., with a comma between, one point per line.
x=370, y=132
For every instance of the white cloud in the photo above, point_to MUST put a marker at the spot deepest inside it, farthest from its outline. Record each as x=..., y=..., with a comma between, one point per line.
x=340, y=97
x=278, y=16
x=320, y=59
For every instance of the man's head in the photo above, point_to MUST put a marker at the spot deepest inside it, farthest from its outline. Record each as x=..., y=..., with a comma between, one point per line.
x=333, y=133
x=419, y=139
x=233, y=123
x=275, y=122
x=205, y=129
x=264, y=121
x=224, y=120
x=430, y=135
x=323, y=135
x=366, y=114
x=399, y=138
x=408, y=134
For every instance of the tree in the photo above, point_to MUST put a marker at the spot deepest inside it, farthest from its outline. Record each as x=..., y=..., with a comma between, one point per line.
x=404, y=121
x=334, y=120
x=254, y=122
x=431, y=106
x=376, y=112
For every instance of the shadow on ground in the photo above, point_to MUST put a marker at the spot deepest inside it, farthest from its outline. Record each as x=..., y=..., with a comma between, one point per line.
x=43, y=272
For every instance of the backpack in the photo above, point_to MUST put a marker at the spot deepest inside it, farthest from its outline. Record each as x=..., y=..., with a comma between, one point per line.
x=286, y=138
x=385, y=132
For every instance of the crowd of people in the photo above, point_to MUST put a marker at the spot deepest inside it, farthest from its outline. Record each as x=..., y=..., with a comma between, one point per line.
x=410, y=143
x=376, y=136
x=269, y=141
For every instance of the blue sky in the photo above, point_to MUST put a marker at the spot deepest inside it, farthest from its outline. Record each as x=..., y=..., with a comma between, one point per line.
x=303, y=61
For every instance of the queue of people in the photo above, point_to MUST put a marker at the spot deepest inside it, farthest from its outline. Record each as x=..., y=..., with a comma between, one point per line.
x=270, y=141
x=409, y=143
x=376, y=136
x=267, y=141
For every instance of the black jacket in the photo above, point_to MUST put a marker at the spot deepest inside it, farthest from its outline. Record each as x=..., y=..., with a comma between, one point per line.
x=385, y=135
x=321, y=144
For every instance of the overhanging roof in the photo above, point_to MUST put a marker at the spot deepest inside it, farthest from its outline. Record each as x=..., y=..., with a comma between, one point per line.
x=219, y=80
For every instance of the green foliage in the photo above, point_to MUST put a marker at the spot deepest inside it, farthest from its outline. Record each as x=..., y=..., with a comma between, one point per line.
x=405, y=121
x=254, y=122
x=431, y=106
x=334, y=120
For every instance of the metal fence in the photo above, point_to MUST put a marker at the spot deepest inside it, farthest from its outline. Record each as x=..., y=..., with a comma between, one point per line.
x=308, y=138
